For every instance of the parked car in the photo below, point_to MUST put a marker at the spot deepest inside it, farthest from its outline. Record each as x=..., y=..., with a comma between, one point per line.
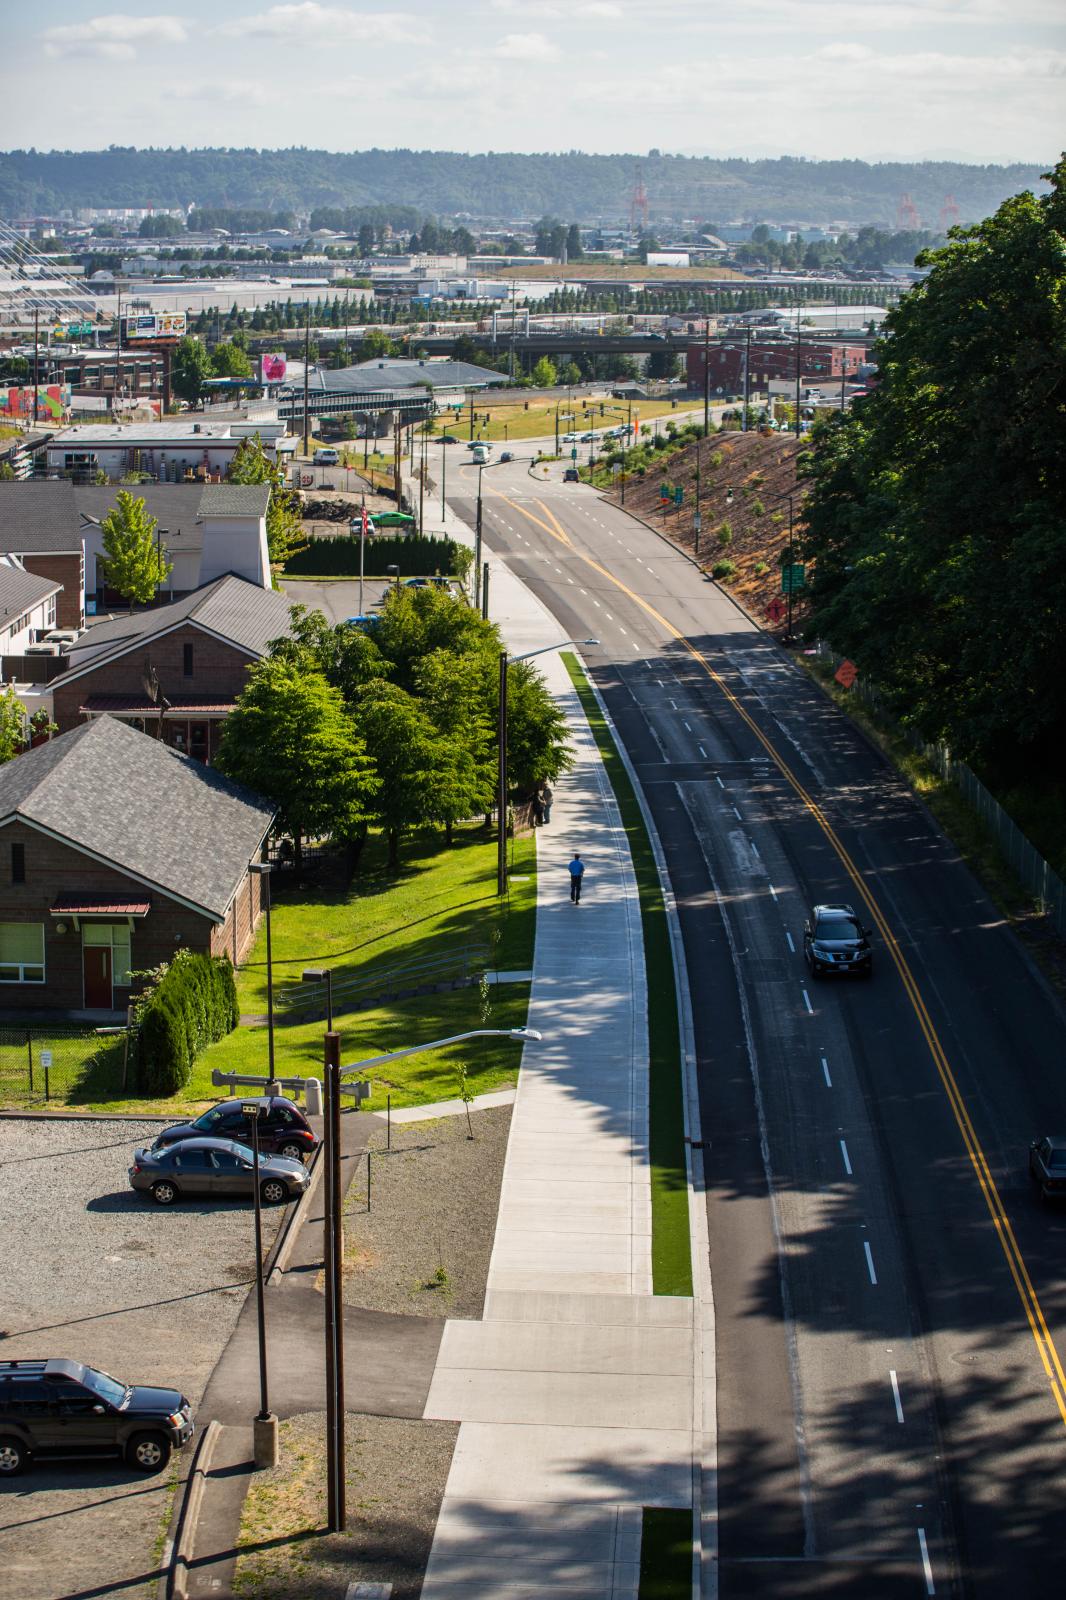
x=326, y=457
x=570, y=438
x=506, y=455
x=1047, y=1166
x=835, y=941
x=215, y=1167
x=64, y=1408
x=571, y=475
x=283, y=1128
x=448, y=438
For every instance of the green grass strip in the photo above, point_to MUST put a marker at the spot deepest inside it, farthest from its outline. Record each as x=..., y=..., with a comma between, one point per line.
x=665, y=1554
x=671, y=1257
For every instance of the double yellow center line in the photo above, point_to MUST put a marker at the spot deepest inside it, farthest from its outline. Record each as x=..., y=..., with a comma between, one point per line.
x=1045, y=1344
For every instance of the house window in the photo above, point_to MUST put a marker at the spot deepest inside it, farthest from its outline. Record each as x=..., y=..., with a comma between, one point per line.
x=18, y=863
x=117, y=935
x=186, y=660
x=21, y=952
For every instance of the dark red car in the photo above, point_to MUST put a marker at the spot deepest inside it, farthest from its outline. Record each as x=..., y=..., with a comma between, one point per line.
x=1047, y=1166
x=283, y=1128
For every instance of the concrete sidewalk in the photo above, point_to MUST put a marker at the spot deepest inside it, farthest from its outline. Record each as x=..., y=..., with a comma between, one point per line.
x=575, y=1391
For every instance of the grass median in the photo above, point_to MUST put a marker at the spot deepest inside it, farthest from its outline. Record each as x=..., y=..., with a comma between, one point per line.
x=670, y=1246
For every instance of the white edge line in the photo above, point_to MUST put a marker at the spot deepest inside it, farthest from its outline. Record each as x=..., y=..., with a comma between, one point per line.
x=927, y=1568
x=825, y=1069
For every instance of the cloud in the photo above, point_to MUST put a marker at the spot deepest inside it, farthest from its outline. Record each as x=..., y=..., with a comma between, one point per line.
x=312, y=22
x=598, y=8
x=526, y=47
x=225, y=92
x=114, y=37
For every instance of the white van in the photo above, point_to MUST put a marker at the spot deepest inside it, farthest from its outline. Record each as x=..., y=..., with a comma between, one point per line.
x=325, y=457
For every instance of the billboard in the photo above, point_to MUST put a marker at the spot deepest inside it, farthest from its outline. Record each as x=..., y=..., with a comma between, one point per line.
x=53, y=399
x=273, y=368
x=148, y=326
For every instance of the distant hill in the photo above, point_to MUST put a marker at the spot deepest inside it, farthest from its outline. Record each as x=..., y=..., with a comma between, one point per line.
x=502, y=186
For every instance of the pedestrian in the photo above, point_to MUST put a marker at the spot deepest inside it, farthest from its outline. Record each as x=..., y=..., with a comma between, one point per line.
x=577, y=872
x=537, y=809
x=546, y=798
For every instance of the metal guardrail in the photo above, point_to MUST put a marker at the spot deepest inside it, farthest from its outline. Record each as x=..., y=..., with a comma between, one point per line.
x=352, y=991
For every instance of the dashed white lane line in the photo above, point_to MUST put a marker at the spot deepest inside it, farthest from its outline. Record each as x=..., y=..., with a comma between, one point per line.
x=718, y=781
x=596, y=603
x=870, y=1262
x=607, y=614
x=773, y=892
x=807, y=1002
x=754, y=847
x=702, y=751
x=660, y=682
x=687, y=726
x=622, y=631
x=673, y=705
x=846, y=1157
x=737, y=814
x=895, y=1394
x=930, y=1586
x=791, y=946
x=825, y=1069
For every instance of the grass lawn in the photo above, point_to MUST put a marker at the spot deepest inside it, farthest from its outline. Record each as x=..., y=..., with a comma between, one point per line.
x=510, y=422
x=671, y=1256
x=440, y=899
x=665, y=1554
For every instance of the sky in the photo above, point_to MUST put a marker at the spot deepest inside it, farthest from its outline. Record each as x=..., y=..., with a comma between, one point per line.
x=967, y=80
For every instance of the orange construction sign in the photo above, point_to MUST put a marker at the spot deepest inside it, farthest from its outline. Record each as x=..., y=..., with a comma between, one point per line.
x=846, y=673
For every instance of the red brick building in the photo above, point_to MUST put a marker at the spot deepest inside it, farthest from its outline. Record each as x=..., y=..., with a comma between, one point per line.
x=114, y=853
x=770, y=359
x=195, y=653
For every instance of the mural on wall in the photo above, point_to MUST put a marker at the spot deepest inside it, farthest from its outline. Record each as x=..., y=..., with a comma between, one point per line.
x=53, y=400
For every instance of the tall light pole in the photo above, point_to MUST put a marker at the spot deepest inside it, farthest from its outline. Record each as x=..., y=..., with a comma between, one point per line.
x=789, y=496
x=265, y=1425
x=262, y=870
x=483, y=466
x=501, y=769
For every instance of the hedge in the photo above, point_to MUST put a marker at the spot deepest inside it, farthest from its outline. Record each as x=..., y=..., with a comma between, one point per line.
x=416, y=555
x=193, y=1004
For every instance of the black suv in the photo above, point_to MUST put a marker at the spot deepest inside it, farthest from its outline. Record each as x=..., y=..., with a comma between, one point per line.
x=834, y=940
x=283, y=1128
x=63, y=1408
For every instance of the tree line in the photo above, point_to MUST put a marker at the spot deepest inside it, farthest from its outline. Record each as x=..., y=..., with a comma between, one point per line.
x=936, y=518
x=391, y=725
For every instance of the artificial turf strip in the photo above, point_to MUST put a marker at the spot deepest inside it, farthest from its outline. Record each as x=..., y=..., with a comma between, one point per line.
x=665, y=1554
x=671, y=1257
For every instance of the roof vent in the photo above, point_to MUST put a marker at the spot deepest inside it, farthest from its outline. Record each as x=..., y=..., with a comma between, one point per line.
x=196, y=428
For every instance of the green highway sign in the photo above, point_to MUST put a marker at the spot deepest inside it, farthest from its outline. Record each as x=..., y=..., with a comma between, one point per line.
x=792, y=579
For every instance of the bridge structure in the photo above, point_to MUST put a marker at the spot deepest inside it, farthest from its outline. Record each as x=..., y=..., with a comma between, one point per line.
x=408, y=405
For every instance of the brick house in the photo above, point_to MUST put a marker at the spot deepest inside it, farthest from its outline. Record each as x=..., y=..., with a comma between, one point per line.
x=39, y=524
x=197, y=652
x=114, y=852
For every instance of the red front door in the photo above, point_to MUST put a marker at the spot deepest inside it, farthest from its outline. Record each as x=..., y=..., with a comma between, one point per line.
x=97, y=967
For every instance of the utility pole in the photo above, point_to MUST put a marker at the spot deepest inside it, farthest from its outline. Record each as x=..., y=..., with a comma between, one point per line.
x=747, y=377
x=706, y=372
x=36, y=373
x=307, y=368
x=501, y=797
x=334, y=1307
x=514, y=290
x=696, y=522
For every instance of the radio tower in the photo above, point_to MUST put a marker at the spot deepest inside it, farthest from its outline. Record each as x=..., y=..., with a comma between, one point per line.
x=638, y=206
x=949, y=213
x=907, y=218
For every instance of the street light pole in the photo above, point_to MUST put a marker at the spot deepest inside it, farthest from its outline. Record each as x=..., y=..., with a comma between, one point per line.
x=265, y=1425
x=334, y=1306
x=262, y=870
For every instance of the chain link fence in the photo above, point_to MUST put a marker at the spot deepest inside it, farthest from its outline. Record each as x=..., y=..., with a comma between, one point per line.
x=1029, y=866
x=52, y=1064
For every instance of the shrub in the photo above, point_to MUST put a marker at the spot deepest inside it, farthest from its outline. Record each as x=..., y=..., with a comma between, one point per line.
x=758, y=508
x=190, y=1004
x=777, y=516
x=414, y=554
x=761, y=568
x=723, y=571
x=716, y=459
x=725, y=535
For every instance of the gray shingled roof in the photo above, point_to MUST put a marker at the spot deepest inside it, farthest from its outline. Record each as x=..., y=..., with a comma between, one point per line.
x=38, y=517
x=20, y=590
x=230, y=606
x=235, y=500
x=130, y=799
x=370, y=376
x=175, y=506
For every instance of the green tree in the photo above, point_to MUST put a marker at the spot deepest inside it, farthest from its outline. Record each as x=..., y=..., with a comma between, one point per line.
x=12, y=726
x=133, y=562
x=538, y=745
x=570, y=375
x=574, y=251
x=250, y=464
x=544, y=375
x=937, y=521
x=411, y=760
x=377, y=345
x=290, y=737
x=229, y=360
x=189, y=366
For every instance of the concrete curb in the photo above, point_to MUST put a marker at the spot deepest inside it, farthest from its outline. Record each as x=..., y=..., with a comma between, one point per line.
x=86, y=1116
x=282, y=1248
x=173, y=1581
x=705, y=1567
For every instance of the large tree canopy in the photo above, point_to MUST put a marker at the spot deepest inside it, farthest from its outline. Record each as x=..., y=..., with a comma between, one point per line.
x=937, y=517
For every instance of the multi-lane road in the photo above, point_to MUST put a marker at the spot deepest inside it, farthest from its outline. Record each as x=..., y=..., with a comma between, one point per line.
x=889, y=1294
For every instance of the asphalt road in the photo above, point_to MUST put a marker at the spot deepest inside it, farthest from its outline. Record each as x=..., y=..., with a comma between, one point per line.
x=888, y=1291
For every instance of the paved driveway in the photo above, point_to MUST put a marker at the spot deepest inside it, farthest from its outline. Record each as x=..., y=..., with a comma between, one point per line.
x=92, y=1271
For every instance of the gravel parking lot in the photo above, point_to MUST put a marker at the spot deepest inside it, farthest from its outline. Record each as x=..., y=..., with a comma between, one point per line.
x=93, y=1271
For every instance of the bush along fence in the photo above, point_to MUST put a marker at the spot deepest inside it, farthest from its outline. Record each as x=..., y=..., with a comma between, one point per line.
x=190, y=1004
x=1033, y=871
x=415, y=554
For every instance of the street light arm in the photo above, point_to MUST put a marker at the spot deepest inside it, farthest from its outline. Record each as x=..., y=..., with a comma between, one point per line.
x=519, y=1034
x=546, y=649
